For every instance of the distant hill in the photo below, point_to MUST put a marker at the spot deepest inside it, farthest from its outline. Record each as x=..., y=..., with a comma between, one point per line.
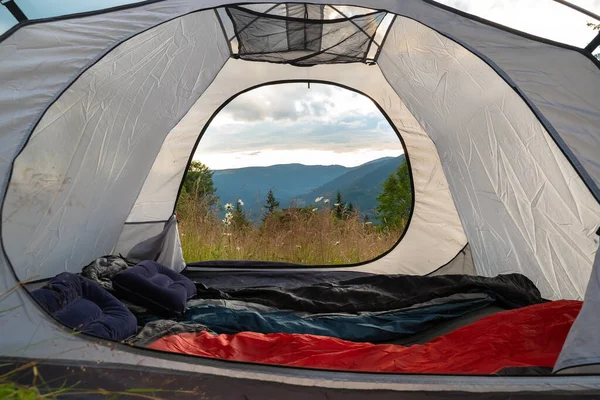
x=301, y=184
x=251, y=184
x=359, y=185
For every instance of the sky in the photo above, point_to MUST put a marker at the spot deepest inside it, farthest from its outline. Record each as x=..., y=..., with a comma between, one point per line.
x=290, y=123
x=326, y=124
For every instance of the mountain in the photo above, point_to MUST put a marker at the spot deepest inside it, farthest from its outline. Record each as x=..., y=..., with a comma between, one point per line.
x=251, y=184
x=300, y=184
x=359, y=185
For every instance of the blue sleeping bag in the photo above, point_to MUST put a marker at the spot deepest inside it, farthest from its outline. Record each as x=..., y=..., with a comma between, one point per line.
x=155, y=287
x=83, y=305
x=365, y=327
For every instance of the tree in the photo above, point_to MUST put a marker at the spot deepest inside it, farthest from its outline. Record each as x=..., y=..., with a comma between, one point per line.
x=198, y=184
x=271, y=205
x=239, y=219
x=339, y=206
x=395, y=201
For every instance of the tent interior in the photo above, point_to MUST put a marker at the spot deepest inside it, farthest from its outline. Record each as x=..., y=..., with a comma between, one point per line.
x=101, y=114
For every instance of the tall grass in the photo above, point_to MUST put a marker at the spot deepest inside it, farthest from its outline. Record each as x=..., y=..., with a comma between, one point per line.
x=294, y=235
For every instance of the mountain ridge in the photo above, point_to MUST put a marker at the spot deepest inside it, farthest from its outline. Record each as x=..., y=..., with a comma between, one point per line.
x=300, y=184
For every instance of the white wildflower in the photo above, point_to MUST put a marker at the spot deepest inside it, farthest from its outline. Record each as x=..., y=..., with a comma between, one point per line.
x=336, y=243
x=326, y=201
x=228, y=207
x=228, y=218
x=298, y=246
x=314, y=209
x=240, y=202
x=237, y=248
x=318, y=199
x=337, y=204
x=226, y=234
x=368, y=223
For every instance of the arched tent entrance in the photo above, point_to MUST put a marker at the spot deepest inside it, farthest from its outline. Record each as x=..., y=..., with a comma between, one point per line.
x=103, y=112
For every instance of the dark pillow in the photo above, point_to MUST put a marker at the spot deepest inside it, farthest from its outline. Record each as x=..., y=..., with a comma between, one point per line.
x=83, y=305
x=155, y=287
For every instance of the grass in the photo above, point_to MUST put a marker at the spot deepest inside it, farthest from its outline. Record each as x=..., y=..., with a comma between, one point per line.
x=295, y=236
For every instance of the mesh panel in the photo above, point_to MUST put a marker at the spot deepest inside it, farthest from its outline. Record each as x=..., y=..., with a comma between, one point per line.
x=303, y=36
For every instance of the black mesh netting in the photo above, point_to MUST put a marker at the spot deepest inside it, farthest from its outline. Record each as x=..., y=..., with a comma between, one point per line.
x=303, y=36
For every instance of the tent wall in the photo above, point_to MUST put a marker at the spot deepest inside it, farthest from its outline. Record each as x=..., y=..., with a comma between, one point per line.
x=582, y=347
x=561, y=84
x=39, y=61
x=434, y=223
x=523, y=207
x=75, y=182
x=38, y=258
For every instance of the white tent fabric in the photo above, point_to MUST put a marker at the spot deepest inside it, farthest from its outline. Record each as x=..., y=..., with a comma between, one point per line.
x=582, y=347
x=92, y=106
x=522, y=205
x=84, y=164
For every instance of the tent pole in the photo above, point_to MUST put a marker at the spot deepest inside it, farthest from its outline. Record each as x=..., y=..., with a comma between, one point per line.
x=577, y=8
x=14, y=9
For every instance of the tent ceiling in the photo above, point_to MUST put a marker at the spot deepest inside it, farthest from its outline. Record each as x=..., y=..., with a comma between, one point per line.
x=521, y=15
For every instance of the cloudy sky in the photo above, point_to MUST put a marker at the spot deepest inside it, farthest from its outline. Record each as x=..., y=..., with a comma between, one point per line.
x=290, y=123
x=325, y=124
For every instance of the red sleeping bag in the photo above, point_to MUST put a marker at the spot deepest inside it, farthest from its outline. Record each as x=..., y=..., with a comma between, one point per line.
x=528, y=336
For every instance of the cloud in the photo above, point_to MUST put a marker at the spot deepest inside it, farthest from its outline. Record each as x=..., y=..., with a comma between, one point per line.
x=290, y=119
x=294, y=102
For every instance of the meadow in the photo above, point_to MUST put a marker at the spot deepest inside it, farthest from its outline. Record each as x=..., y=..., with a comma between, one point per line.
x=295, y=235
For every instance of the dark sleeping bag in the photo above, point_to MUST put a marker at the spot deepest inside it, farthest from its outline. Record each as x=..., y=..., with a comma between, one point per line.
x=82, y=304
x=382, y=292
x=363, y=327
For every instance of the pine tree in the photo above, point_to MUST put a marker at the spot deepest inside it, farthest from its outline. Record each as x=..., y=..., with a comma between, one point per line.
x=272, y=204
x=239, y=219
x=339, y=206
x=395, y=201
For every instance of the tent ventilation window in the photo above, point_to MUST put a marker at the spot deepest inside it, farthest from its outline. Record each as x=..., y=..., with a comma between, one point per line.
x=305, y=34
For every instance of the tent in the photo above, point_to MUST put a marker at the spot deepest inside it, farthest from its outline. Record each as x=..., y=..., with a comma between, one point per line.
x=100, y=113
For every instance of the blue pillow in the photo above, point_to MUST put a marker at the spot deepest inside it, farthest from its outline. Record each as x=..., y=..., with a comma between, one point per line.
x=83, y=305
x=155, y=287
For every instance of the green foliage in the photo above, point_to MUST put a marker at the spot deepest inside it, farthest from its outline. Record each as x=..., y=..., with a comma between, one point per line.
x=271, y=205
x=395, y=201
x=338, y=206
x=198, y=184
x=239, y=219
x=9, y=390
